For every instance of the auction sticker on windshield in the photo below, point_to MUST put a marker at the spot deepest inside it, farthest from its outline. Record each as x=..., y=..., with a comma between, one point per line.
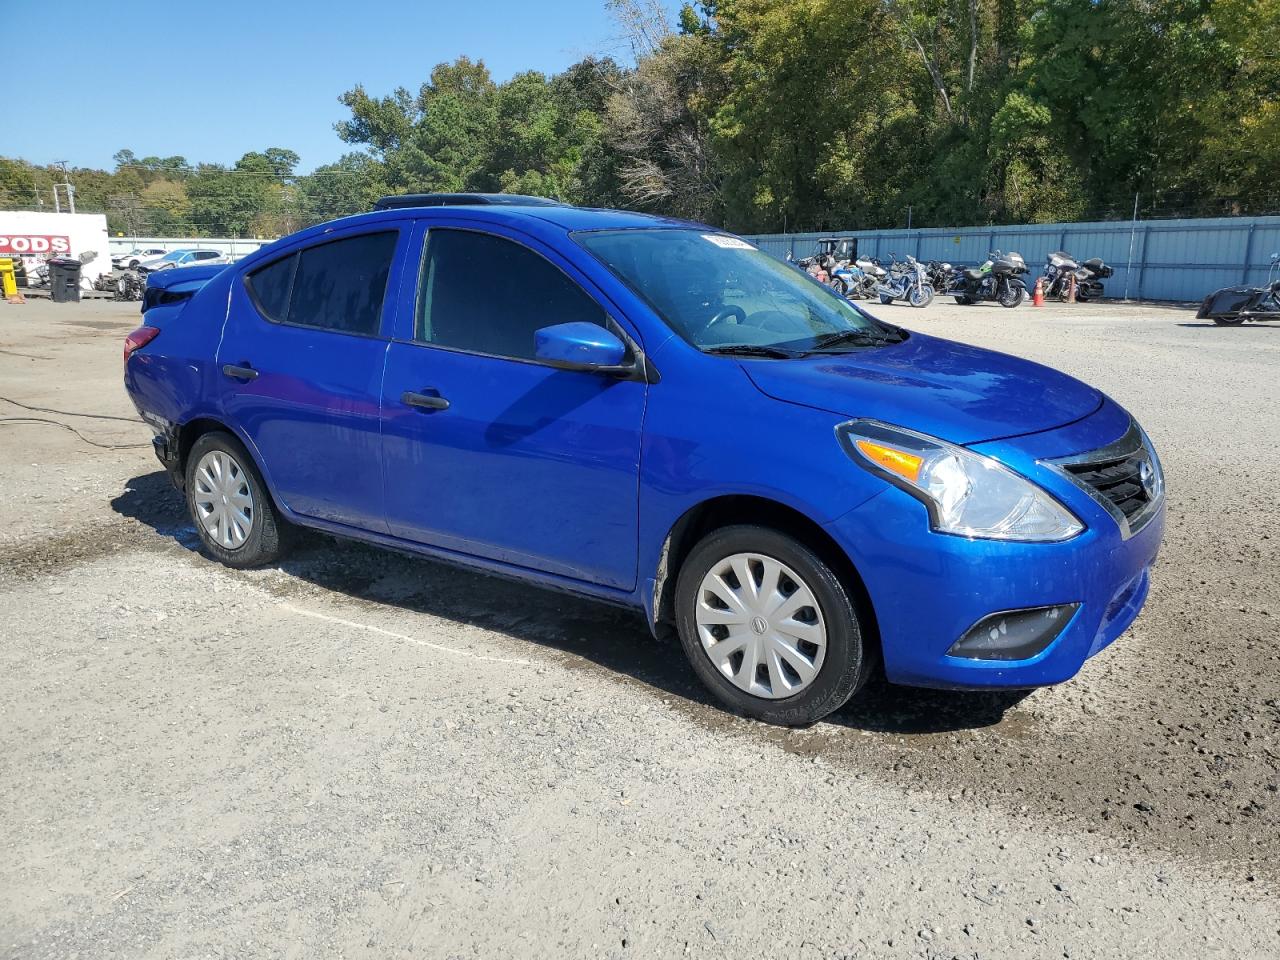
x=730, y=243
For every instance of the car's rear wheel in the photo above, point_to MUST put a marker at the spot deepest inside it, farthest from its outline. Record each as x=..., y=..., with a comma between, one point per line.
x=768, y=626
x=232, y=511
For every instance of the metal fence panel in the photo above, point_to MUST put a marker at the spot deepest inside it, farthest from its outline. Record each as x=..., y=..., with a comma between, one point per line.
x=1153, y=259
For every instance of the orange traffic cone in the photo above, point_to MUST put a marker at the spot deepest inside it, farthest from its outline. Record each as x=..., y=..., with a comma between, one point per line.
x=1037, y=298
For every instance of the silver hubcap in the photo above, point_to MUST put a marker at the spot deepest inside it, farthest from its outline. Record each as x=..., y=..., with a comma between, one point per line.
x=761, y=626
x=223, y=499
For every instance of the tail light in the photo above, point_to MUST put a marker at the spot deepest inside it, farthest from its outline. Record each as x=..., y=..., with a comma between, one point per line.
x=139, y=339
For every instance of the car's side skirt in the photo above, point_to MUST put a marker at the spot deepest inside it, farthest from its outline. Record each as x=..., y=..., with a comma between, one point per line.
x=579, y=588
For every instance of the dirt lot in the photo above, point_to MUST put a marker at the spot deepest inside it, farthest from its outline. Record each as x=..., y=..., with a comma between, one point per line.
x=362, y=755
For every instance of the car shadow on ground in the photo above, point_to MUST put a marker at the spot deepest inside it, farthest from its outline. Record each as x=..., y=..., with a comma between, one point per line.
x=1256, y=325
x=613, y=638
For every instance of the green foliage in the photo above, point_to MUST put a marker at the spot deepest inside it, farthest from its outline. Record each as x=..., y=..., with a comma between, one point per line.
x=462, y=131
x=796, y=114
x=341, y=189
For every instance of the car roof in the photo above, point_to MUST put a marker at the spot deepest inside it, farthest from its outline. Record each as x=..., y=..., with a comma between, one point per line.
x=398, y=201
x=533, y=219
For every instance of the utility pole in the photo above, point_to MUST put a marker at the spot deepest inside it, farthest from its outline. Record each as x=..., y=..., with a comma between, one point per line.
x=1133, y=229
x=66, y=185
x=908, y=218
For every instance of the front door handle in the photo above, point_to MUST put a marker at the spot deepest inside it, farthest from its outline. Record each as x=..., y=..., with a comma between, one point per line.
x=424, y=401
x=239, y=373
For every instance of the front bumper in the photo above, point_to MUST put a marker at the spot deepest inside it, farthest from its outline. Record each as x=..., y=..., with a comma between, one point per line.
x=928, y=589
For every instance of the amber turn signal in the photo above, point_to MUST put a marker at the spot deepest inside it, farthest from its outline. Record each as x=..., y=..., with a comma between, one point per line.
x=904, y=464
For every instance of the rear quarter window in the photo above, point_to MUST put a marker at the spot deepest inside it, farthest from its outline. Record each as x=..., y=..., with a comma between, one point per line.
x=270, y=286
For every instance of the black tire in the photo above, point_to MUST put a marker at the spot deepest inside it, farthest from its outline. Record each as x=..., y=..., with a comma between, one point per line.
x=963, y=300
x=1228, y=321
x=267, y=540
x=1013, y=296
x=847, y=662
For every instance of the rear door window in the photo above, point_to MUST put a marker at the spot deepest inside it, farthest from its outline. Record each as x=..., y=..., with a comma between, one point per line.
x=339, y=285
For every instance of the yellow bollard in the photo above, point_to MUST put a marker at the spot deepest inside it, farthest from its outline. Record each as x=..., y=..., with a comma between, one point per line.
x=9, y=281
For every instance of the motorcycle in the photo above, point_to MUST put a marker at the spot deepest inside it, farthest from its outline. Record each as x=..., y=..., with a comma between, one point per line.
x=1060, y=267
x=907, y=281
x=1232, y=306
x=868, y=274
x=859, y=280
x=832, y=257
x=809, y=266
x=836, y=264
x=997, y=279
x=940, y=273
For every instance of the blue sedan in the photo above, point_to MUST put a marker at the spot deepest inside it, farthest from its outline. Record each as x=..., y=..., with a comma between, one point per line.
x=655, y=413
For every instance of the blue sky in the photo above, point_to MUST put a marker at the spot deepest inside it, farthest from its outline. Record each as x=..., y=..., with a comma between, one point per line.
x=212, y=79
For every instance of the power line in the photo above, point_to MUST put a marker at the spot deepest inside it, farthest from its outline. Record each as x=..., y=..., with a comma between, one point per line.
x=188, y=172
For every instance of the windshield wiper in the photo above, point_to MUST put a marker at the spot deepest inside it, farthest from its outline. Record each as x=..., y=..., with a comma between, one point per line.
x=753, y=350
x=861, y=337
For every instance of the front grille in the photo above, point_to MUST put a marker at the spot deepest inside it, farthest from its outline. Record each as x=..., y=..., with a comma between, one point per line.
x=1124, y=478
x=1119, y=482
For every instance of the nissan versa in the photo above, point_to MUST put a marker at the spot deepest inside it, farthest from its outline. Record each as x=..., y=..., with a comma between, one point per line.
x=658, y=414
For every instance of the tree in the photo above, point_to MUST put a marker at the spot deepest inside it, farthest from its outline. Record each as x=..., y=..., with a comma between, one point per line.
x=658, y=122
x=461, y=131
x=351, y=185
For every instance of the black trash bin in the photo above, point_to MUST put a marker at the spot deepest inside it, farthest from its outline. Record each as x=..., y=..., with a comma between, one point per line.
x=64, y=280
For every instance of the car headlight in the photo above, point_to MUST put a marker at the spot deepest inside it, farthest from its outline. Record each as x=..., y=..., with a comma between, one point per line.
x=967, y=494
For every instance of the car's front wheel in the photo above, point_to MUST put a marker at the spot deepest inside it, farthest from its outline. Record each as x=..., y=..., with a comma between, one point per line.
x=232, y=511
x=769, y=627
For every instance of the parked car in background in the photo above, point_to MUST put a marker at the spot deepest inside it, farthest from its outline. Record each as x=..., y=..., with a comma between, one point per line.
x=655, y=414
x=184, y=258
x=139, y=255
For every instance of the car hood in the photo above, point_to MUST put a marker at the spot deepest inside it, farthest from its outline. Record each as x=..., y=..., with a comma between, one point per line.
x=948, y=390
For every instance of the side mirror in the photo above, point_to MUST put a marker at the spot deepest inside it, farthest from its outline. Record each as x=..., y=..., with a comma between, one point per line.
x=580, y=346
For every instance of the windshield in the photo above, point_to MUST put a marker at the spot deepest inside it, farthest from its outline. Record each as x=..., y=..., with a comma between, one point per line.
x=720, y=293
x=176, y=255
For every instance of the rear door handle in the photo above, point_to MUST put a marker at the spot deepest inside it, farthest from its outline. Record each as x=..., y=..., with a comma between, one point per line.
x=424, y=401
x=239, y=373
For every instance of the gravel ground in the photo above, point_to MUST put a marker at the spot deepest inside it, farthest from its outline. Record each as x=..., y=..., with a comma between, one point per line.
x=363, y=755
